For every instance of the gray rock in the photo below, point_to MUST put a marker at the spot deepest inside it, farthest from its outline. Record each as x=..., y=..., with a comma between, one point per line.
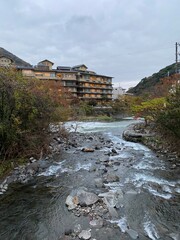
x=112, y=198
x=133, y=234
x=85, y=234
x=86, y=198
x=104, y=159
x=77, y=228
x=111, y=177
x=43, y=164
x=98, y=182
x=71, y=202
x=96, y=223
x=92, y=169
x=33, y=167
x=82, y=197
x=114, y=150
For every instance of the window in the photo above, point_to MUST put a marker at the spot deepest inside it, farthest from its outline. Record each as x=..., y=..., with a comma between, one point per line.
x=52, y=74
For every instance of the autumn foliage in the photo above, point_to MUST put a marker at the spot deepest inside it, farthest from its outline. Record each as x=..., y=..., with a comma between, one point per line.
x=27, y=106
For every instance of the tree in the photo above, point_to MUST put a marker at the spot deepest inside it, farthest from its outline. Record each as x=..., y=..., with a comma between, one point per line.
x=150, y=109
x=27, y=106
x=170, y=116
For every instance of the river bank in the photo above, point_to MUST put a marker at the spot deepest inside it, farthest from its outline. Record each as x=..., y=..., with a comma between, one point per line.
x=164, y=143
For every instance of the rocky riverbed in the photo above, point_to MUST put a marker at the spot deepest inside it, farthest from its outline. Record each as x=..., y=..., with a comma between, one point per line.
x=94, y=185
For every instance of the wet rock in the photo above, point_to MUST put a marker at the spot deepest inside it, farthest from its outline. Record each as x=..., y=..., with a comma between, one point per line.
x=86, y=198
x=112, y=198
x=77, y=228
x=71, y=202
x=97, y=147
x=82, y=197
x=85, y=234
x=87, y=150
x=114, y=150
x=43, y=164
x=92, y=169
x=98, y=182
x=133, y=234
x=96, y=223
x=104, y=159
x=113, y=212
x=111, y=177
x=33, y=167
x=68, y=231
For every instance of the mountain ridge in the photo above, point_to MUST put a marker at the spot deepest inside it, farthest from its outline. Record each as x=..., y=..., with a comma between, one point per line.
x=147, y=84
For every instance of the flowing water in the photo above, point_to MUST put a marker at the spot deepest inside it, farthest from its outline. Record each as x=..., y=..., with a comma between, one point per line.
x=151, y=207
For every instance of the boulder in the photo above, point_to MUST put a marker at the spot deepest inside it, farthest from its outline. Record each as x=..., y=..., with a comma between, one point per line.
x=85, y=234
x=71, y=202
x=96, y=223
x=86, y=198
x=82, y=197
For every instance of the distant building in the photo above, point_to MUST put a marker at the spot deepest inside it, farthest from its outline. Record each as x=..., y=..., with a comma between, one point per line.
x=118, y=91
x=8, y=59
x=78, y=80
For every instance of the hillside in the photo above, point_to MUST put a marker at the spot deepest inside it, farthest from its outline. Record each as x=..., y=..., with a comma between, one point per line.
x=147, y=84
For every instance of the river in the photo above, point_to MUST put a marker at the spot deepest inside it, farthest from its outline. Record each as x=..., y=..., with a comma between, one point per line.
x=151, y=191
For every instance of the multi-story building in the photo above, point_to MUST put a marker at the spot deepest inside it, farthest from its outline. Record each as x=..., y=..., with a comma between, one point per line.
x=77, y=80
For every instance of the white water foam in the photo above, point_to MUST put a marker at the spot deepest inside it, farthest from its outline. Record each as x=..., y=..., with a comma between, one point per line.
x=150, y=229
x=147, y=164
x=84, y=127
x=165, y=189
x=121, y=223
x=54, y=169
x=140, y=179
x=156, y=193
x=177, y=190
x=114, y=185
x=135, y=146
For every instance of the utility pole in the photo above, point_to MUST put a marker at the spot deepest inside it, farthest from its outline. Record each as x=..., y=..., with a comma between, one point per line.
x=177, y=54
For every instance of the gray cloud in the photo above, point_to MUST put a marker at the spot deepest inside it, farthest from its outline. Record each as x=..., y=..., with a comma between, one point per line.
x=123, y=38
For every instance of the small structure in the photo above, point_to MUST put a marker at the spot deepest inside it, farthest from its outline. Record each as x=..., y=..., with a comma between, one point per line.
x=118, y=91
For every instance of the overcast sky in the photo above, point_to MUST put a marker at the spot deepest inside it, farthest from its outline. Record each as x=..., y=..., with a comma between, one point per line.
x=126, y=39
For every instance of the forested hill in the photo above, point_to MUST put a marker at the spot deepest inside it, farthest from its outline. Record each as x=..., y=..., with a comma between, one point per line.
x=147, y=84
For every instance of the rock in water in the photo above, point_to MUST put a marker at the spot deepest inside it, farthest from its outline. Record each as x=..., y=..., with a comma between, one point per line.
x=82, y=197
x=85, y=234
x=88, y=150
x=110, y=177
x=98, y=182
x=133, y=234
x=86, y=198
x=96, y=223
x=71, y=202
